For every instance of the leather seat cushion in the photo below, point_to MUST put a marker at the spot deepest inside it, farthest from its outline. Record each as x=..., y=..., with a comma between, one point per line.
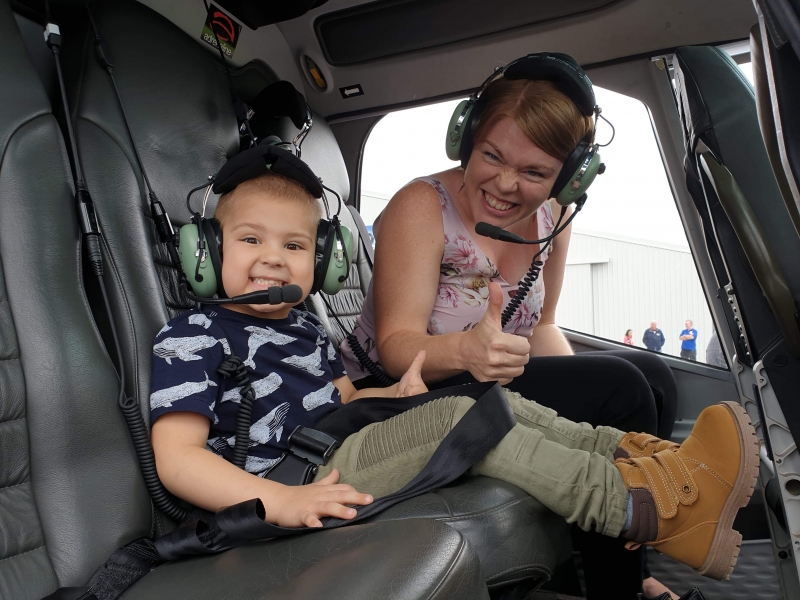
x=416, y=558
x=514, y=535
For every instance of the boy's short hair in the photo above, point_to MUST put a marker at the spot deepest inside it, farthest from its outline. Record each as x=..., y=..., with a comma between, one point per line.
x=272, y=184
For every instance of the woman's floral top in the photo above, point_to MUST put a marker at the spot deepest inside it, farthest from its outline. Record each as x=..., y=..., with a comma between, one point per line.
x=463, y=293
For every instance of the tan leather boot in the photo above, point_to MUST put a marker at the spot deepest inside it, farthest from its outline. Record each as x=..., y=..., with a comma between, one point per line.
x=685, y=500
x=637, y=445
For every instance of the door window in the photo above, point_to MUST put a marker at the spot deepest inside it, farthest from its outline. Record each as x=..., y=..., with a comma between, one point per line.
x=629, y=263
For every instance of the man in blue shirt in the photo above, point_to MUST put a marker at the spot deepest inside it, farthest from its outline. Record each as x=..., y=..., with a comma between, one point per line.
x=653, y=338
x=689, y=343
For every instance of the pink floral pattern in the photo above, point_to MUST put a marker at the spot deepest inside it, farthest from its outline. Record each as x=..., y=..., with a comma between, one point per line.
x=463, y=292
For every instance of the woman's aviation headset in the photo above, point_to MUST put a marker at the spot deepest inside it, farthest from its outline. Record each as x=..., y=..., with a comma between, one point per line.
x=201, y=240
x=583, y=164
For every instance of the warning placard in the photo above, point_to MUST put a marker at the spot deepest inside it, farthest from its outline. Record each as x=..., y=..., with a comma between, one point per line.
x=226, y=29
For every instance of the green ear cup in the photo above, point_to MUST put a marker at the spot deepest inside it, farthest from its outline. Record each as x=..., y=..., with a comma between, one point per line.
x=578, y=184
x=454, y=138
x=187, y=248
x=338, y=267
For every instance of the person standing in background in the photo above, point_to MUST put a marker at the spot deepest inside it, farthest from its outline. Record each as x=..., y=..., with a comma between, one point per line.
x=628, y=339
x=689, y=343
x=653, y=338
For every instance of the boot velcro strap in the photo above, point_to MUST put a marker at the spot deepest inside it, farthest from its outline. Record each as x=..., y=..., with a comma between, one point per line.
x=669, y=480
x=640, y=441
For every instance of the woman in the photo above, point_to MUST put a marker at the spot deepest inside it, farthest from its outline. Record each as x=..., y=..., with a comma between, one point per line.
x=628, y=339
x=431, y=283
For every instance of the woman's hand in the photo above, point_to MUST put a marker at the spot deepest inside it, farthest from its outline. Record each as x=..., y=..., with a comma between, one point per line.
x=411, y=383
x=305, y=505
x=489, y=353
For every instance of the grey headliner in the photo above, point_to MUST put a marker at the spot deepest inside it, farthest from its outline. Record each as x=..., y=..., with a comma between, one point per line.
x=629, y=28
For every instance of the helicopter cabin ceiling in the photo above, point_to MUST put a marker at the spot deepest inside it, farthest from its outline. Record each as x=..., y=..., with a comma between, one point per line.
x=403, y=52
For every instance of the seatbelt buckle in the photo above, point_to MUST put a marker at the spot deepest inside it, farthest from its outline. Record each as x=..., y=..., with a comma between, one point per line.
x=315, y=446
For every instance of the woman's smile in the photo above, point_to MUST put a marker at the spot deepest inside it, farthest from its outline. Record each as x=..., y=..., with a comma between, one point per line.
x=497, y=204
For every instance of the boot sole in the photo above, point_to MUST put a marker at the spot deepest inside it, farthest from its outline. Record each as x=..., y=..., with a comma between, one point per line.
x=724, y=551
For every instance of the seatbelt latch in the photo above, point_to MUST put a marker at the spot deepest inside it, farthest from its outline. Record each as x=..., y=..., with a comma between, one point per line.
x=312, y=445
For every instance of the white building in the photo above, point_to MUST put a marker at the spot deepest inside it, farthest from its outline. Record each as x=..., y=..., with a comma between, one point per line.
x=614, y=283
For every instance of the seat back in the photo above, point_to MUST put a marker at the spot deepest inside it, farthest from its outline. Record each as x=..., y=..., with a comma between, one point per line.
x=718, y=110
x=775, y=53
x=70, y=488
x=181, y=117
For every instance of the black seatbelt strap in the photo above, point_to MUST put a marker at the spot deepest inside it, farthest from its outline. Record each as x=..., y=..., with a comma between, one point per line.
x=479, y=430
x=363, y=234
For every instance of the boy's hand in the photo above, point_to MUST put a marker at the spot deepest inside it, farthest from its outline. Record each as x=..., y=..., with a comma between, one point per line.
x=411, y=383
x=305, y=505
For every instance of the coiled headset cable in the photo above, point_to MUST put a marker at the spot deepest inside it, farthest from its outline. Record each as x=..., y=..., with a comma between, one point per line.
x=91, y=234
x=526, y=283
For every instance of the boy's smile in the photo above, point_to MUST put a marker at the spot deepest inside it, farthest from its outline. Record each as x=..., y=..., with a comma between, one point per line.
x=267, y=241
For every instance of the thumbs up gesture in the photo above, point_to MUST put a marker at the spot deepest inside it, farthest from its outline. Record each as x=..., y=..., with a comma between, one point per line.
x=490, y=354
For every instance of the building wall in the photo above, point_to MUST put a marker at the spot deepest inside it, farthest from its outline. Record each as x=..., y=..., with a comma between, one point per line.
x=612, y=284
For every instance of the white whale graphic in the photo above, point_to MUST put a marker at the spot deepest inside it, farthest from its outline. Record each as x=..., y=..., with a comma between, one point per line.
x=331, y=352
x=300, y=320
x=185, y=348
x=308, y=363
x=259, y=466
x=320, y=397
x=200, y=319
x=260, y=336
x=262, y=387
x=165, y=397
x=270, y=424
x=217, y=445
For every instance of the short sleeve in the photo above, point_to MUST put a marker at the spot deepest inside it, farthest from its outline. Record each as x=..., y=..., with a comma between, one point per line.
x=186, y=354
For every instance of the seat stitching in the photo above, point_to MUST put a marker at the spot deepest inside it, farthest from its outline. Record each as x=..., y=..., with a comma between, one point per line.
x=8, y=487
x=21, y=553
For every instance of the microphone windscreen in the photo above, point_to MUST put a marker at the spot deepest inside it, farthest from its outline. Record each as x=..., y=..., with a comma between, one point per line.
x=291, y=293
x=487, y=230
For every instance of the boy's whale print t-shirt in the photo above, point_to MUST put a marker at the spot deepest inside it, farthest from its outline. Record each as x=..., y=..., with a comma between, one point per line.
x=291, y=364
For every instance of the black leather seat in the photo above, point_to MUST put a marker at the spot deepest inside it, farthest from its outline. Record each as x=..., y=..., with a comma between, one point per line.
x=70, y=489
x=179, y=106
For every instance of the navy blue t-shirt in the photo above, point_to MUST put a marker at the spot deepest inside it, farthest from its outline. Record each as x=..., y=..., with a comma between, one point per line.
x=292, y=364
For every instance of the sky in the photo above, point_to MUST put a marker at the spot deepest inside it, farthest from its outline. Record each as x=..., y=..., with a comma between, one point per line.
x=632, y=198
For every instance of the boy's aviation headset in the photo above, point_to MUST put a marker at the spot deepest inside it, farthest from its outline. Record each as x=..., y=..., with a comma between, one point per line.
x=583, y=164
x=201, y=240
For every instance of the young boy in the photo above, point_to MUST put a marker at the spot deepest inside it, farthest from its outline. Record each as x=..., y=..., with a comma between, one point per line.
x=680, y=499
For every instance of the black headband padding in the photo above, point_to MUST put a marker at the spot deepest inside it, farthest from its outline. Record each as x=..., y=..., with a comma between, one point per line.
x=279, y=99
x=563, y=71
x=262, y=159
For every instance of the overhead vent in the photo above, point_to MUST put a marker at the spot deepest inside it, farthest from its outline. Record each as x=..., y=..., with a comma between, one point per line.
x=391, y=27
x=256, y=13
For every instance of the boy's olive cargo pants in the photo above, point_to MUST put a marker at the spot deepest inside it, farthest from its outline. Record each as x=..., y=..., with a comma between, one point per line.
x=566, y=466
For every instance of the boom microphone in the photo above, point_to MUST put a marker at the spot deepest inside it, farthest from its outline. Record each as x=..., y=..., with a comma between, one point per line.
x=272, y=295
x=498, y=233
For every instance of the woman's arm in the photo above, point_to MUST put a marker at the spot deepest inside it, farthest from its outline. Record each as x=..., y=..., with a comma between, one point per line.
x=406, y=280
x=547, y=339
